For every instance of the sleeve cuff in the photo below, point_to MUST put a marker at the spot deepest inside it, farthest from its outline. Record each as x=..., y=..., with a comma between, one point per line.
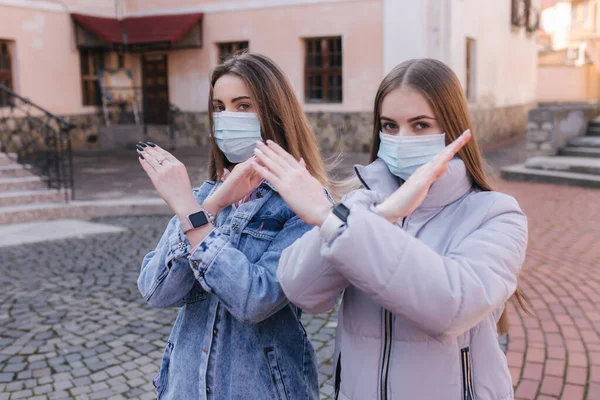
x=179, y=245
x=204, y=255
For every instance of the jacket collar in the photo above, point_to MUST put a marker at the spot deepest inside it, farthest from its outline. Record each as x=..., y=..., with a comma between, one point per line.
x=451, y=186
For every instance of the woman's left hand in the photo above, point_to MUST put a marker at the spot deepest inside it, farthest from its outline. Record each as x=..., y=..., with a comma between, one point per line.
x=299, y=189
x=170, y=178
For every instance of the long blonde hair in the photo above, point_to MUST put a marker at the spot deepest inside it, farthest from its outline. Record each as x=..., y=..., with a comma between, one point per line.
x=443, y=91
x=282, y=119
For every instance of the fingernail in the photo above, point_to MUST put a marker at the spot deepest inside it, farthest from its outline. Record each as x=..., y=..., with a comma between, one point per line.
x=142, y=144
x=151, y=144
x=141, y=156
x=139, y=147
x=258, y=151
x=260, y=143
x=270, y=141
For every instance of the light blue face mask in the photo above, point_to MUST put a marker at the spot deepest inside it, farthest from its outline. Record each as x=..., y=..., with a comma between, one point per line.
x=236, y=134
x=404, y=154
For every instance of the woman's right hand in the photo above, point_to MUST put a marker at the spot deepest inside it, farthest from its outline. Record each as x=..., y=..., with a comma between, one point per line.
x=413, y=192
x=241, y=181
x=299, y=189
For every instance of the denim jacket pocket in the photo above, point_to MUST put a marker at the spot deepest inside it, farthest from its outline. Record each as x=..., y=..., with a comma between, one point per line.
x=196, y=294
x=258, y=235
x=264, y=227
x=164, y=370
x=276, y=374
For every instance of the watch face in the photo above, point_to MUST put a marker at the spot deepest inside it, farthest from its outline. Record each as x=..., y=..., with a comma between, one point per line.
x=198, y=219
x=341, y=211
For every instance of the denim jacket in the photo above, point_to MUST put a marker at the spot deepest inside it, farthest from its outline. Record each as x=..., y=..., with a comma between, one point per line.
x=236, y=335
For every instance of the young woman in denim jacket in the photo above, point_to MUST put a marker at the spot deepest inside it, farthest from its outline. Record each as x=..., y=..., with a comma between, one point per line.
x=236, y=335
x=426, y=254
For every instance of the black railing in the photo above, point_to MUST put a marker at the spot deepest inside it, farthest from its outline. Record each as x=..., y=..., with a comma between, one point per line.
x=40, y=139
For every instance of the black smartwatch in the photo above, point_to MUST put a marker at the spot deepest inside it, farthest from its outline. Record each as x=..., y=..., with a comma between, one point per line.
x=337, y=218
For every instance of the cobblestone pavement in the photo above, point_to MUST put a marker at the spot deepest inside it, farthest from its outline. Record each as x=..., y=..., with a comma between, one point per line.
x=107, y=175
x=73, y=325
x=555, y=354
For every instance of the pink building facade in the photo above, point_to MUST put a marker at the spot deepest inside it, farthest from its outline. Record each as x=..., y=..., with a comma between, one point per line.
x=335, y=52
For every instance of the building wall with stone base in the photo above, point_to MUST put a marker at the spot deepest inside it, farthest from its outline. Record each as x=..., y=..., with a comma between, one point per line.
x=336, y=131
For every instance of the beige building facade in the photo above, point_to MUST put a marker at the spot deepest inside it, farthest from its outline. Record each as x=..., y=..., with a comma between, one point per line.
x=335, y=53
x=569, y=63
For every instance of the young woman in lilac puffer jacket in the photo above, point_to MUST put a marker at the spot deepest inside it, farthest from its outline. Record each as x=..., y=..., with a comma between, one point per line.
x=425, y=254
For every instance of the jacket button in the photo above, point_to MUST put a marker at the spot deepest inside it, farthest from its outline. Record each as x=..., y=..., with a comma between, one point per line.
x=214, y=331
x=207, y=389
x=259, y=194
x=235, y=226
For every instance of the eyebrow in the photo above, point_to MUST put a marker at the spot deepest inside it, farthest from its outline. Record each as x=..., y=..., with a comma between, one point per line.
x=241, y=98
x=234, y=100
x=410, y=120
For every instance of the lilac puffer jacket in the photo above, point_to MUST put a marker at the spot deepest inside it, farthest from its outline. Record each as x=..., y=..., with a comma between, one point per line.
x=420, y=301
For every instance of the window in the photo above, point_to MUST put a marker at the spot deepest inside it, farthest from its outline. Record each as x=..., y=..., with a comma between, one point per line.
x=226, y=50
x=470, y=68
x=92, y=61
x=323, y=70
x=5, y=71
x=586, y=18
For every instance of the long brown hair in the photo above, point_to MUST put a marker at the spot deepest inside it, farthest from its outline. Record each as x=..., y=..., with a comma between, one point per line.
x=282, y=119
x=443, y=91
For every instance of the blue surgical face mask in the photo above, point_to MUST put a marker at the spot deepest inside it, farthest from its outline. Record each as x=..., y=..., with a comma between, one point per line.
x=404, y=154
x=236, y=134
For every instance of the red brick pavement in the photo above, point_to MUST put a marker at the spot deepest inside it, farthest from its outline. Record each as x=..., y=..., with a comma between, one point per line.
x=556, y=353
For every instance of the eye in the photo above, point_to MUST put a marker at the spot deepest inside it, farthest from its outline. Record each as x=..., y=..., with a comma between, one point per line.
x=421, y=126
x=389, y=126
x=219, y=108
x=244, y=106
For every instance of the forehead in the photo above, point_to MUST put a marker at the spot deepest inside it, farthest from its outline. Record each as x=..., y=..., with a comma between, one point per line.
x=404, y=103
x=229, y=87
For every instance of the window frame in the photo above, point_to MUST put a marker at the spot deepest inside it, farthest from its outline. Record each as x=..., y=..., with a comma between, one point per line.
x=325, y=71
x=6, y=74
x=88, y=56
x=470, y=68
x=235, y=47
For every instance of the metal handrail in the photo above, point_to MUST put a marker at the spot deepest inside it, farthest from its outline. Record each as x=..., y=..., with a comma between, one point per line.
x=41, y=140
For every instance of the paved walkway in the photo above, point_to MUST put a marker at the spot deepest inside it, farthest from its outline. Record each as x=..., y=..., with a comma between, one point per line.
x=117, y=174
x=556, y=353
x=72, y=324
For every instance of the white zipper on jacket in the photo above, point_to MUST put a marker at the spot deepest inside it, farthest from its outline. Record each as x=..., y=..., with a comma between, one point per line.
x=387, y=344
x=387, y=349
x=466, y=372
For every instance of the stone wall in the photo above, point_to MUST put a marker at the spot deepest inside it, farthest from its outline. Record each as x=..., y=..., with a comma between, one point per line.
x=349, y=132
x=493, y=125
x=550, y=126
x=352, y=132
x=85, y=134
x=335, y=131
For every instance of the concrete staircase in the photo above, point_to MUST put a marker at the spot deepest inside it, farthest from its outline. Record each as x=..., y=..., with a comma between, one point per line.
x=21, y=192
x=25, y=197
x=577, y=164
